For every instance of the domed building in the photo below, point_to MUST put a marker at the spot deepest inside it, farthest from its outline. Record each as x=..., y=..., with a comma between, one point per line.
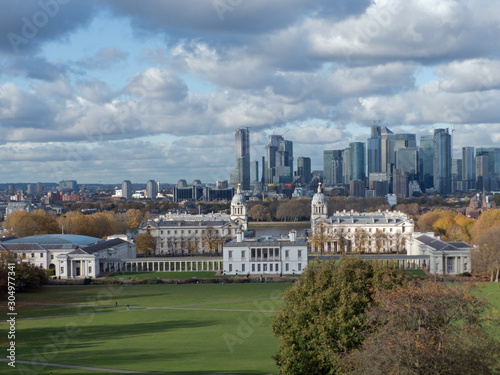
x=239, y=209
x=319, y=207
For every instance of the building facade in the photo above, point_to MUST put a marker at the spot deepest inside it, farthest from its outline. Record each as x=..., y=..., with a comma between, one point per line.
x=442, y=161
x=265, y=255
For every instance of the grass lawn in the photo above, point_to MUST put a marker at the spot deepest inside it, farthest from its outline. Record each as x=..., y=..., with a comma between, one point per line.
x=171, y=329
x=163, y=275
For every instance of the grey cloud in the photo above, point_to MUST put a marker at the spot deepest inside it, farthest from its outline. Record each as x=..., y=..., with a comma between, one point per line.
x=105, y=58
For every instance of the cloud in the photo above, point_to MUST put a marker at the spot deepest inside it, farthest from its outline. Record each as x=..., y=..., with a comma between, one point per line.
x=105, y=58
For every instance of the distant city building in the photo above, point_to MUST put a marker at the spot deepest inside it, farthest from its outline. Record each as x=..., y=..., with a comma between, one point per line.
x=357, y=188
x=278, y=162
x=241, y=174
x=30, y=189
x=39, y=188
x=468, y=169
x=151, y=189
x=127, y=189
x=456, y=175
x=386, y=149
x=14, y=206
x=374, y=154
x=407, y=160
x=182, y=184
x=357, y=161
x=254, y=172
x=400, y=184
x=426, y=158
x=442, y=161
x=67, y=185
x=304, y=169
x=333, y=167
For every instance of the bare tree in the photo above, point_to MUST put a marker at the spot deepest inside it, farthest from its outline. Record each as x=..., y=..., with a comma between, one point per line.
x=211, y=239
x=320, y=238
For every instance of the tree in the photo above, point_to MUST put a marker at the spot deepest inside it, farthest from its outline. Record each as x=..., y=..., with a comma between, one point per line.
x=27, y=276
x=319, y=238
x=145, y=244
x=486, y=254
x=360, y=238
x=257, y=212
x=380, y=239
x=134, y=219
x=323, y=313
x=211, y=239
x=192, y=245
x=425, y=328
x=24, y=223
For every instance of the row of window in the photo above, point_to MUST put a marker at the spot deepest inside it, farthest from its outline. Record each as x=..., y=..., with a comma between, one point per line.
x=264, y=254
x=266, y=267
x=188, y=231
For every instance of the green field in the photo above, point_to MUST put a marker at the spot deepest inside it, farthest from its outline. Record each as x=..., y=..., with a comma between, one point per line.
x=169, y=329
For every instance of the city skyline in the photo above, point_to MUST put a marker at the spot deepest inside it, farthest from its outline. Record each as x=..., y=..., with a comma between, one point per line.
x=102, y=92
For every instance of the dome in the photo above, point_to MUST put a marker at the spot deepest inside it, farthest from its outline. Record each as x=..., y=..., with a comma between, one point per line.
x=238, y=197
x=319, y=197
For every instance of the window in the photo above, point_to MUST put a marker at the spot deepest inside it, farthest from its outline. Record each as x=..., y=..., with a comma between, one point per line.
x=41, y=265
x=41, y=255
x=230, y=267
x=253, y=267
x=277, y=267
x=161, y=232
x=271, y=267
x=51, y=256
x=230, y=254
x=287, y=254
x=62, y=269
x=168, y=232
x=299, y=254
x=287, y=267
x=243, y=252
x=242, y=268
x=258, y=267
x=32, y=255
x=300, y=267
x=90, y=269
x=264, y=268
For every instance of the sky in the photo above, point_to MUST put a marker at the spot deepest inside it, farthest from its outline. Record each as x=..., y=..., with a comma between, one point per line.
x=103, y=91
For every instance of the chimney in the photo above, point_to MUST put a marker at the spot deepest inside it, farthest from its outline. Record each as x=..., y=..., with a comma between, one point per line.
x=239, y=236
x=293, y=235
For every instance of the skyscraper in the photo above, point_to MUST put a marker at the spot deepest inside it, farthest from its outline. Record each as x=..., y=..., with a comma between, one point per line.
x=278, y=160
x=151, y=189
x=456, y=175
x=442, y=161
x=357, y=161
x=241, y=174
x=426, y=159
x=332, y=167
x=468, y=168
x=254, y=171
x=373, y=146
x=386, y=149
x=127, y=189
x=304, y=169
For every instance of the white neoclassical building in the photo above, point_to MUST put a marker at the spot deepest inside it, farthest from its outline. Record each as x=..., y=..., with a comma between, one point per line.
x=445, y=258
x=183, y=234
x=69, y=255
x=350, y=231
x=265, y=255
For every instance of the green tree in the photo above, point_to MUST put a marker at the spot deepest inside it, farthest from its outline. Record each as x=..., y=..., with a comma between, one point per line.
x=324, y=312
x=425, y=328
x=27, y=276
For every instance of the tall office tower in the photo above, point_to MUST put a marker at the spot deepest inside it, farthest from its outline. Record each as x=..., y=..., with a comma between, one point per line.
x=400, y=183
x=404, y=140
x=304, y=169
x=442, y=161
x=468, y=169
x=254, y=172
x=456, y=175
x=373, y=146
x=278, y=160
x=386, y=149
x=67, y=185
x=39, y=188
x=151, y=189
x=407, y=160
x=332, y=167
x=357, y=161
x=492, y=169
x=482, y=171
x=346, y=166
x=127, y=189
x=426, y=173
x=30, y=189
x=241, y=174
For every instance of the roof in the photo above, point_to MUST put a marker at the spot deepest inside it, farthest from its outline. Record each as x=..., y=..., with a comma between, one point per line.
x=66, y=240
x=351, y=217
x=437, y=244
x=103, y=245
